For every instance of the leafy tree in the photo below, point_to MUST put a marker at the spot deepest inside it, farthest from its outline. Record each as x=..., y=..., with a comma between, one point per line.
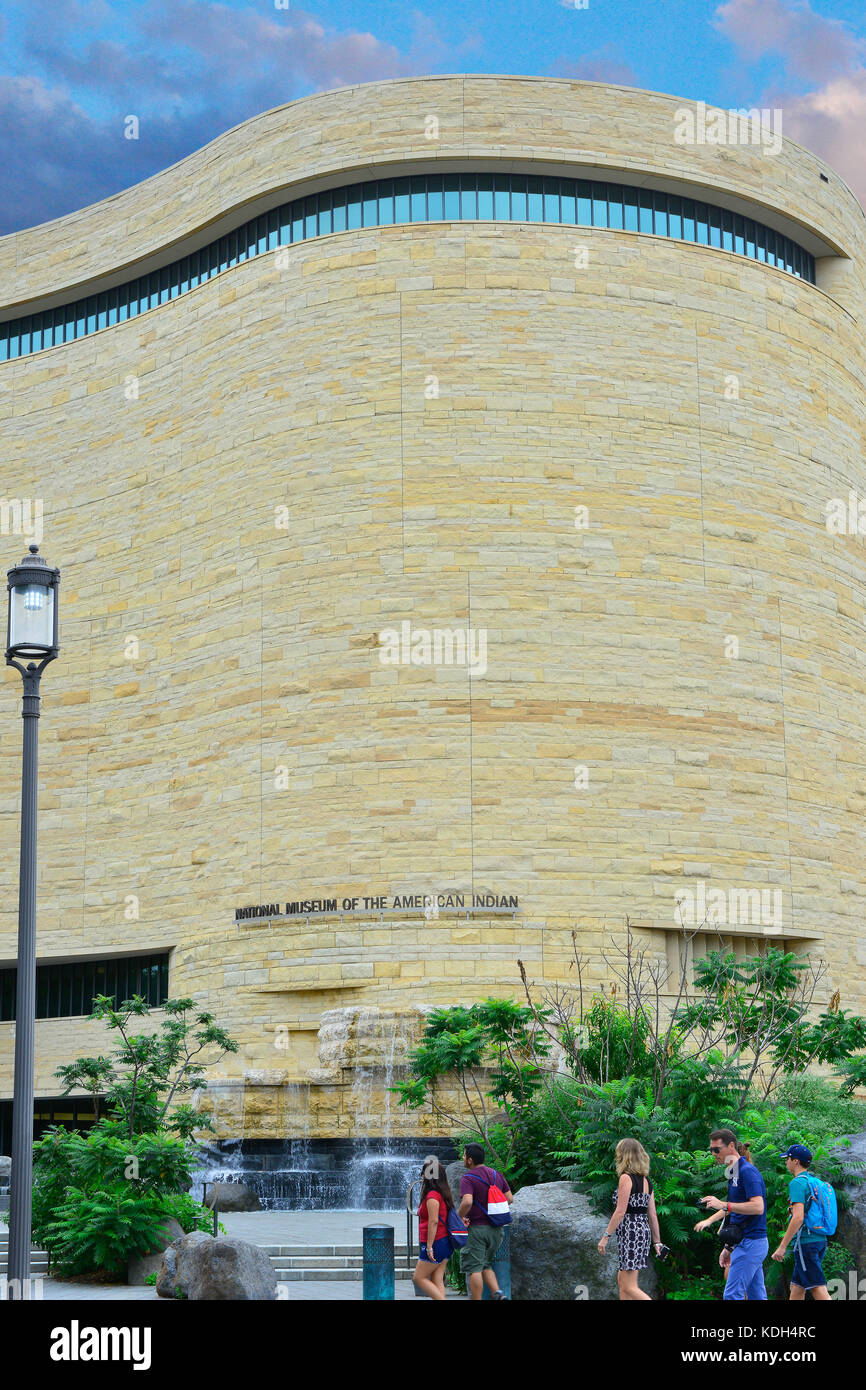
x=853, y=1075
x=458, y=1043
x=612, y=1042
x=148, y=1071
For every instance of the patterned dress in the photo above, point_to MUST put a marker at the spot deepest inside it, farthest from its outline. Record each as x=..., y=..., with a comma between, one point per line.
x=633, y=1235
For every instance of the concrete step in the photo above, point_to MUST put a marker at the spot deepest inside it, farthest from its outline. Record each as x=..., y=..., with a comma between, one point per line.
x=321, y=1252
x=327, y=1274
x=347, y=1262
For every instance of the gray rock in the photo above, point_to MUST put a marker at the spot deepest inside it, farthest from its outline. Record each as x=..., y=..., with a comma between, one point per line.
x=454, y=1172
x=167, y=1283
x=554, y=1248
x=232, y=1196
x=225, y=1268
x=138, y=1269
x=5, y=1168
x=851, y=1231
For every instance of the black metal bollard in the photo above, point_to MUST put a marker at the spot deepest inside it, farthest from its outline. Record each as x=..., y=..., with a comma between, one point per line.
x=378, y=1263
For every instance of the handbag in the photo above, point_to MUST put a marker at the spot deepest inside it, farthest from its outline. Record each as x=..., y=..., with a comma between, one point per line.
x=457, y=1232
x=730, y=1232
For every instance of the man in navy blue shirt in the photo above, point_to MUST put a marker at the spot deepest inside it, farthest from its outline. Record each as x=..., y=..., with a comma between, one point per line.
x=746, y=1210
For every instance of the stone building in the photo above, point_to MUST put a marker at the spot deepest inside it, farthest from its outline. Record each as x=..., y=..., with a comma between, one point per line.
x=442, y=474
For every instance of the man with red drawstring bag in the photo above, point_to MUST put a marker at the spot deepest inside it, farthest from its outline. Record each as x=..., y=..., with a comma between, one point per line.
x=484, y=1206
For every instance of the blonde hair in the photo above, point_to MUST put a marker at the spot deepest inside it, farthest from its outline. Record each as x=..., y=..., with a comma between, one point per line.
x=632, y=1157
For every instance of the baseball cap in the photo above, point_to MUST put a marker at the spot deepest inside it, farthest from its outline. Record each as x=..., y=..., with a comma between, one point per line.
x=800, y=1152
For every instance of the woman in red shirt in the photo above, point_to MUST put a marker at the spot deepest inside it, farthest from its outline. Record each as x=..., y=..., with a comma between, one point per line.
x=433, y=1242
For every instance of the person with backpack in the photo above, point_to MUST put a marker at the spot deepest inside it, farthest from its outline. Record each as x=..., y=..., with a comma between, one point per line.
x=743, y=1217
x=434, y=1241
x=813, y=1219
x=634, y=1220
x=484, y=1201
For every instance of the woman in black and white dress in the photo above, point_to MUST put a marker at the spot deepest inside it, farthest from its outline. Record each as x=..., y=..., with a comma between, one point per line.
x=634, y=1219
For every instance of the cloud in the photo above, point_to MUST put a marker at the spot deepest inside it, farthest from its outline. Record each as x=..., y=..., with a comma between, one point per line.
x=601, y=65
x=813, y=47
x=188, y=71
x=816, y=50
x=831, y=121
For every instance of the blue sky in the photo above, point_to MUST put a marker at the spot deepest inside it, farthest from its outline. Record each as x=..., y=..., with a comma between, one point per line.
x=189, y=69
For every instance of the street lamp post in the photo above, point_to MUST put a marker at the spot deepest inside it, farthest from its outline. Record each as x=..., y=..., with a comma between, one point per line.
x=31, y=638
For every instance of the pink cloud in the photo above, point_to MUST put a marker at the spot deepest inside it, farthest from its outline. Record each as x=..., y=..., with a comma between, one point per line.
x=813, y=47
x=824, y=52
x=830, y=121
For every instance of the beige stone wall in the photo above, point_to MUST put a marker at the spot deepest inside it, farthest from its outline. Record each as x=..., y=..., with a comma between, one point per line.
x=302, y=384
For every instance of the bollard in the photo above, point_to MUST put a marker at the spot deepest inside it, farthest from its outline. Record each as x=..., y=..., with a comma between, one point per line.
x=502, y=1266
x=378, y=1263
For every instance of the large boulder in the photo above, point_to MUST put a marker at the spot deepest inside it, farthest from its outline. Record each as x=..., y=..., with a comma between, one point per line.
x=220, y=1268
x=454, y=1172
x=232, y=1196
x=851, y=1232
x=138, y=1269
x=554, y=1248
x=167, y=1282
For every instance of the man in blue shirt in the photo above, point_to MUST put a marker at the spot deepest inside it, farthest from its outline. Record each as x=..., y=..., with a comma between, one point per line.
x=809, y=1247
x=745, y=1209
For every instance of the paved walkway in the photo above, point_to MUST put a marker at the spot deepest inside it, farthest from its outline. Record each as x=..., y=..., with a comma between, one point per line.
x=271, y=1228
x=311, y=1227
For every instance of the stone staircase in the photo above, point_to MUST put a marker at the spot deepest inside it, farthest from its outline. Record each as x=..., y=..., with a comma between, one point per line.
x=38, y=1258
x=318, y=1263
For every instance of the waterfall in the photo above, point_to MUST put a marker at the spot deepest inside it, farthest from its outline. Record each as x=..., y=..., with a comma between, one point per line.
x=368, y=1169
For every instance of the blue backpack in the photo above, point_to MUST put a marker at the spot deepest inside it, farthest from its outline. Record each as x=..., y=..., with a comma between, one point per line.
x=457, y=1232
x=822, y=1214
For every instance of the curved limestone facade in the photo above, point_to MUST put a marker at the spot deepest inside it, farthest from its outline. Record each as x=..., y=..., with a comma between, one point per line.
x=466, y=584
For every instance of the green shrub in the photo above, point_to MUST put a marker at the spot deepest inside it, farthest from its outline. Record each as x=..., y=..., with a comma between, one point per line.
x=681, y=1175
x=830, y=1110
x=102, y=1198
x=697, y=1288
x=92, y=1231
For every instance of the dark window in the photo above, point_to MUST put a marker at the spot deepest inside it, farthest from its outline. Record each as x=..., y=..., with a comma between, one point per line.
x=402, y=191
x=501, y=198
x=68, y=988
x=385, y=200
x=418, y=210
x=435, y=200
x=324, y=214
x=452, y=197
x=568, y=199
x=421, y=198
x=660, y=214
x=552, y=211
x=485, y=197
x=353, y=205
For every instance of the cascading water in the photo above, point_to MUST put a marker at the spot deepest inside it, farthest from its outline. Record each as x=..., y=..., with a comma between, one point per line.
x=369, y=1171
x=382, y=1170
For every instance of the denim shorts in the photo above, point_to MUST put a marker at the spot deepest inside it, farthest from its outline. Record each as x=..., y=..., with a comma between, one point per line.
x=808, y=1273
x=441, y=1251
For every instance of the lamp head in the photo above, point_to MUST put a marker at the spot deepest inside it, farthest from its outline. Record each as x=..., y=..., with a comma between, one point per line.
x=31, y=631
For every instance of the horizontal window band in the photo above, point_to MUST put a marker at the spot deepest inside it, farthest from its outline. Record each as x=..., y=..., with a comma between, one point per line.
x=451, y=197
